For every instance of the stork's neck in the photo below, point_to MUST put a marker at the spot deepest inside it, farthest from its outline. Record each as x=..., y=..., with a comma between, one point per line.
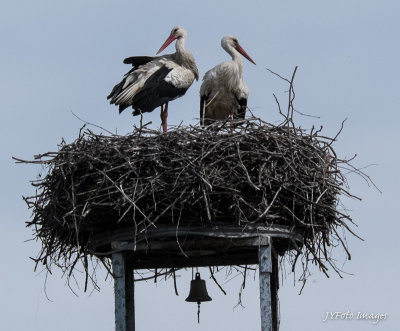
x=236, y=58
x=184, y=58
x=180, y=46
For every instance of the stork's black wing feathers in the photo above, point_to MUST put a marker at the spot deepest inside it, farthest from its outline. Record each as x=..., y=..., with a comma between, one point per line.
x=241, y=112
x=137, y=61
x=156, y=92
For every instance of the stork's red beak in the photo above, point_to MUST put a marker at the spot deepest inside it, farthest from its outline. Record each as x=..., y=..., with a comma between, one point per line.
x=243, y=52
x=169, y=40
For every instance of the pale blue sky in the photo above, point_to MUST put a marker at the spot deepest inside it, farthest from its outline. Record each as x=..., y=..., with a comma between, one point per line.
x=63, y=56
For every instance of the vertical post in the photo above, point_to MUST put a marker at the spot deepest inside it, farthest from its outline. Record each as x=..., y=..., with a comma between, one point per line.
x=274, y=290
x=124, y=293
x=265, y=267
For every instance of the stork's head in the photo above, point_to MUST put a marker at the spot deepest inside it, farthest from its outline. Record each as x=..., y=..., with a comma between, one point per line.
x=176, y=33
x=229, y=42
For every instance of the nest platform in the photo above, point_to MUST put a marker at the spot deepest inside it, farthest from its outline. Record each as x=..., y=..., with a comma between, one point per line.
x=160, y=196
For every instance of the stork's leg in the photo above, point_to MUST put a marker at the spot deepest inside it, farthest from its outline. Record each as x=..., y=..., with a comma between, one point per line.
x=162, y=116
x=231, y=115
x=165, y=117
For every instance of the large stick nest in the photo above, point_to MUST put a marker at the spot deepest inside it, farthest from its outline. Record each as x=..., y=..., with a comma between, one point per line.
x=236, y=173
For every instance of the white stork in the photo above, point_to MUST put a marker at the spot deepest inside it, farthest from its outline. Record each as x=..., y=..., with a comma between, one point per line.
x=154, y=81
x=223, y=93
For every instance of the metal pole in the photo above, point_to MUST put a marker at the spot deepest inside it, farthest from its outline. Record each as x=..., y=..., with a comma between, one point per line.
x=265, y=265
x=124, y=294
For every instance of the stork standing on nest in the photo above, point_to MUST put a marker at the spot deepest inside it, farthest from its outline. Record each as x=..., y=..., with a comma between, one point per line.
x=223, y=93
x=154, y=81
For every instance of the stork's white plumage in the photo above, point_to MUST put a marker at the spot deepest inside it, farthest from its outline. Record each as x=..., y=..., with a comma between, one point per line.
x=154, y=81
x=223, y=93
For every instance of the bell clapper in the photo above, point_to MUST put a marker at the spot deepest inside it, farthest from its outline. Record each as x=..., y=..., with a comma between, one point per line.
x=198, y=312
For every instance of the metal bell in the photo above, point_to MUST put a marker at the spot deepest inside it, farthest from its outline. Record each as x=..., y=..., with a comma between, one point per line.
x=198, y=292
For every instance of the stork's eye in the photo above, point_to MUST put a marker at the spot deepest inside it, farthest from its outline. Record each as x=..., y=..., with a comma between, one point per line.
x=235, y=41
x=174, y=30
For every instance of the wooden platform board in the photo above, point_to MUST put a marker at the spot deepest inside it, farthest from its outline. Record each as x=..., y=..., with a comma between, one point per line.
x=178, y=247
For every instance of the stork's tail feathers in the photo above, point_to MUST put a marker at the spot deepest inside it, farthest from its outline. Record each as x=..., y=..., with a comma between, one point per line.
x=120, y=96
x=117, y=89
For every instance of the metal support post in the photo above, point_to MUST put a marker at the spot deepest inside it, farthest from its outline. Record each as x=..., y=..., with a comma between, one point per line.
x=124, y=293
x=268, y=288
